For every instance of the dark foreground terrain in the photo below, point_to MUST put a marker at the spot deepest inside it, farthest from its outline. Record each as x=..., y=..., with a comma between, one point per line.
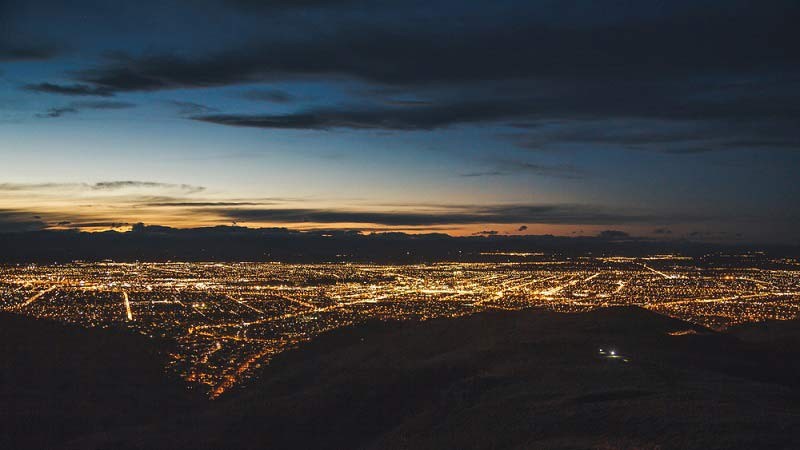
x=526, y=379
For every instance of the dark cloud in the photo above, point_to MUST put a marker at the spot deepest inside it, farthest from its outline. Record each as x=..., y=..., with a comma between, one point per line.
x=500, y=214
x=76, y=107
x=670, y=136
x=418, y=117
x=18, y=221
x=510, y=167
x=113, y=185
x=662, y=231
x=57, y=112
x=269, y=95
x=716, y=66
x=487, y=173
x=15, y=43
x=523, y=228
x=684, y=41
x=613, y=235
x=191, y=108
x=663, y=120
x=101, y=186
x=277, y=5
x=201, y=204
x=711, y=235
x=405, y=102
x=561, y=170
x=100, y=224
x=32, y=186
x=22, y=52
x=103, y=105
x=68, y=89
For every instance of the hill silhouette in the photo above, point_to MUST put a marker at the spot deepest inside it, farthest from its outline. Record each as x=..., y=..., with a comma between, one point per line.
x=524, y=379
x=59, y=382
x=233, y=243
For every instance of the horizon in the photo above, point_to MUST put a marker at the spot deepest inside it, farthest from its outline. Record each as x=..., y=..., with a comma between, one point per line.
x=603, y=234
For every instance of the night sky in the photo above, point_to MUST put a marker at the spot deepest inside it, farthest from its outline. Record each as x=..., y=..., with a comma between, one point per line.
x=663, y=119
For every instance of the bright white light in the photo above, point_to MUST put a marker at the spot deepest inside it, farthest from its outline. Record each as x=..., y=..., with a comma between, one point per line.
x=613, y=353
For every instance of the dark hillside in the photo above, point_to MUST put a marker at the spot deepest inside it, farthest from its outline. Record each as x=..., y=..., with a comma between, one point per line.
x=525, y=379
x=58, y=382
x=530, y=379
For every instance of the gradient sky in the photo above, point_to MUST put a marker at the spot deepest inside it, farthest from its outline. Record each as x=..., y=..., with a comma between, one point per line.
x=669, y=119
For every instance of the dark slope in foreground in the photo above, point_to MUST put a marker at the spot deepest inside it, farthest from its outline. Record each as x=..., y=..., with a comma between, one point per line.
x=520, y=379
x=59, y=382
x=527, y=379
x=779, y=333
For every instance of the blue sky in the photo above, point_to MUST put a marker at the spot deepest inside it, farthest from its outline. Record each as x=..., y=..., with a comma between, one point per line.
x=538, y=117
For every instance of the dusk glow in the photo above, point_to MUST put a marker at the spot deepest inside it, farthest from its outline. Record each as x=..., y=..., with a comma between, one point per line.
x=668, y=120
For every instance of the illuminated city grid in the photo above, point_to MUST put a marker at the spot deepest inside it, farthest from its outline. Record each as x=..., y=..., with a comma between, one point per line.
x=230, y=318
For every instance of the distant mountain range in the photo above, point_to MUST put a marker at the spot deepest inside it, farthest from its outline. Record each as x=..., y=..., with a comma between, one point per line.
x=229, y=243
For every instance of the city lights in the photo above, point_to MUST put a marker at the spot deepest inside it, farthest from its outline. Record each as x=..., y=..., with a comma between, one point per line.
x=230, y=319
